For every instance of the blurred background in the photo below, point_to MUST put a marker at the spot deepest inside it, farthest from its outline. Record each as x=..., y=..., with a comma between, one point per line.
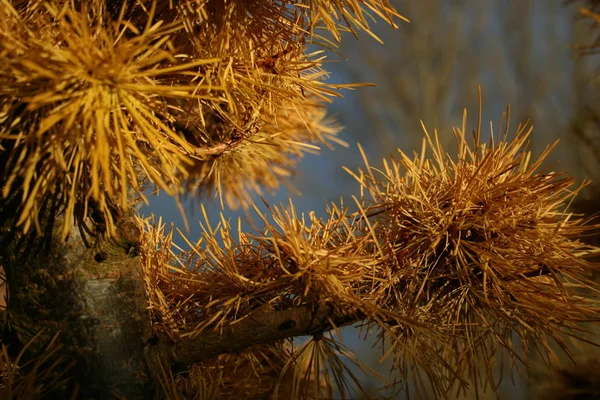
x=521, y=53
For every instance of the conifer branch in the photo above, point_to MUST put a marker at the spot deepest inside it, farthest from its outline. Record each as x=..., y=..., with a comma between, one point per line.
x=259, y=327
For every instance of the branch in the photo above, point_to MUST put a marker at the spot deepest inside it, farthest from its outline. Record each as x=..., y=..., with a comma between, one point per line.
x=217, y=149
x=262, y=326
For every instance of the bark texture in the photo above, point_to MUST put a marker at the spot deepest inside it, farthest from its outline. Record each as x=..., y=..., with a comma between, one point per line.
x=95, y=298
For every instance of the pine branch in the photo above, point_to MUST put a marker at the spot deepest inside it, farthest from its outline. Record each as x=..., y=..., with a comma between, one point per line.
x=445, y=258
x=259, y=327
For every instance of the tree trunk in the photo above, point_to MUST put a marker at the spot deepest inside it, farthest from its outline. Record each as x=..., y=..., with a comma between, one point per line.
x=95, y=297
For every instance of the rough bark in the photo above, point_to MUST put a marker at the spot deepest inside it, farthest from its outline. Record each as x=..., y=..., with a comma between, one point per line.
x=95, y=298
x=116, y=329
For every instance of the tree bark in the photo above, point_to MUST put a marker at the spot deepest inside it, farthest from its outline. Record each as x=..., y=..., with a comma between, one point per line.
x=113, y=331
x=95, y=298
x=262, y=326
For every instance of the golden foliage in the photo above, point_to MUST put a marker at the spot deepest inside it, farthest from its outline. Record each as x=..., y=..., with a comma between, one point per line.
x=250, y=374
x=446, y=260
x=97, y=98
x=482, y=248
x=264, y=159
x=318, y=370
x=81, y=109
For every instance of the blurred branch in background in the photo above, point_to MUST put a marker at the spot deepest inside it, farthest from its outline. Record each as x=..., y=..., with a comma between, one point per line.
x=584, y=138
x=420, y=68
x=520, y=53
x=589, y=11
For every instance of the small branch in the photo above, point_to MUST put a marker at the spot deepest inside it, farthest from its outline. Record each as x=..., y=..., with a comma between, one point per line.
x=258, y=328
x=215, y=150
